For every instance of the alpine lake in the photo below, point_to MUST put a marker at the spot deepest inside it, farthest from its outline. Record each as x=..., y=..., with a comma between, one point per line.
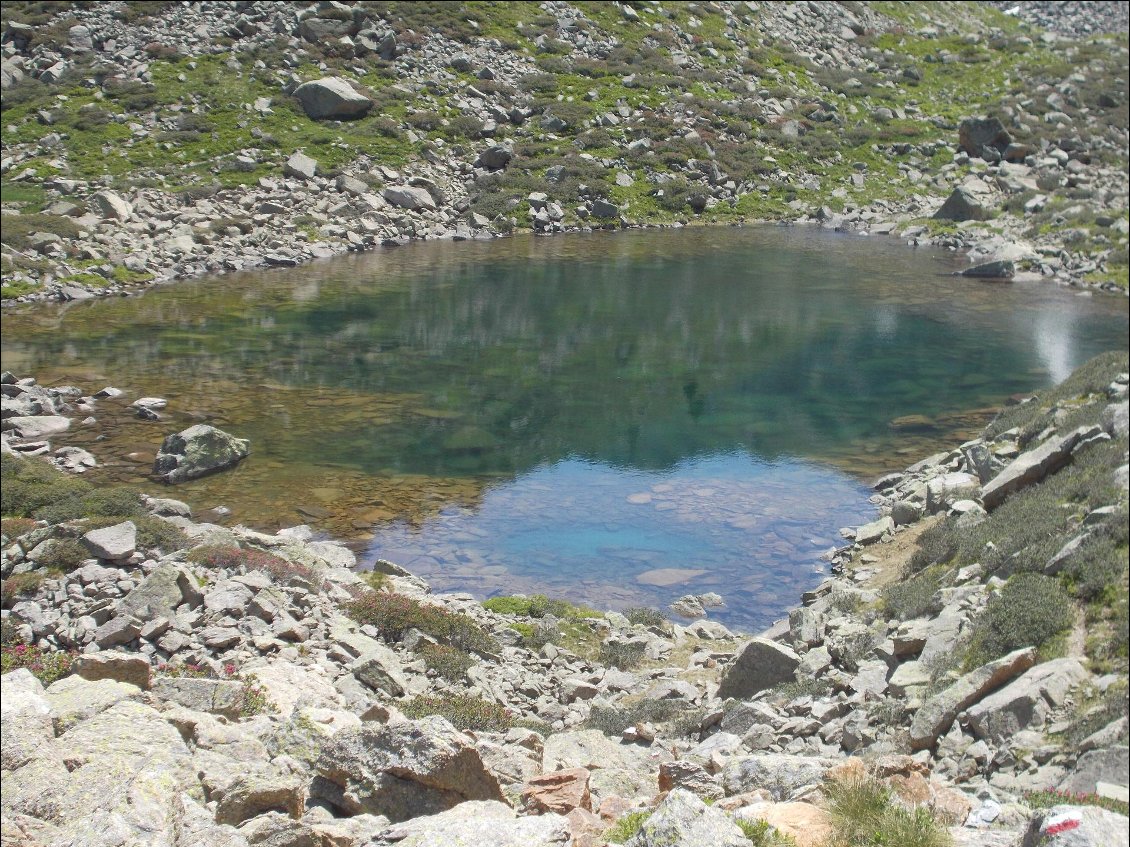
x=612, y=418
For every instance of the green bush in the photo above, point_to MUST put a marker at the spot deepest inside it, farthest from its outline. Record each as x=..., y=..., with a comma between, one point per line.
x=394, y=614
x=864, y=814
x=1053, y=797
x=449, y=662
x=912, y=598
x=613, y=720
x=18, y=586
x=763, y=834
x=937, y=544
x=1030, y=610
x=63, y=554
x=644, y=616
x=622, y=655
x=626, y=827
x=17, y=229
x=464, y=711
x=1092, y=377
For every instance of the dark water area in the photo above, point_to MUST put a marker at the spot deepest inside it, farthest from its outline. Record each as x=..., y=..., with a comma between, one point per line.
x=615, y=418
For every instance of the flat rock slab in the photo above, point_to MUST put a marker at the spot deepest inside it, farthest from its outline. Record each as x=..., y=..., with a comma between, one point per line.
x=112, y=542
x=1034, y=465
x=332, y=97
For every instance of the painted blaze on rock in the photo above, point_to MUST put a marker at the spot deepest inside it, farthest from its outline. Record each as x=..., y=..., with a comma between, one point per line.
x=196, y=451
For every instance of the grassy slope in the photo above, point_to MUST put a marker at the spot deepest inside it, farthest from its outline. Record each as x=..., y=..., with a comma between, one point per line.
x=203, y=119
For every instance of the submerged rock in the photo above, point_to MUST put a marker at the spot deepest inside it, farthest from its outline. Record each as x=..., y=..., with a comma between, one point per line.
x=197, y=451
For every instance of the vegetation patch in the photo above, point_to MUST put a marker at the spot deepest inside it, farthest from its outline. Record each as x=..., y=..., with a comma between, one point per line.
x=230, y=557
x=864, y=814
x=462, y=710
x=448, y=662
x=46, y=665
x=394, y=614
x=1031, y=610
x=1054, y=797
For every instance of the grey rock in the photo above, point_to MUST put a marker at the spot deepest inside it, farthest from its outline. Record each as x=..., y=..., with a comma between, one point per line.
x=402, y=770
x=495, y=157
x=110, y=206
x=217, y=696
x=975, y=134
x=964, y=205
x=112, y=542
x=1004, y=269
x=759, y=664
x=300, y=166
x=1034, y=465
x=129, y=668
x=478, y=823
x=167, y=587
x=1025, y=702
x=332, y=97
x=683, y=820
x=38, y=426
x=780, y=774
x=1109, y=764
x=409, y=197
x=938, y=713
x=198, y=451
x=604, y=209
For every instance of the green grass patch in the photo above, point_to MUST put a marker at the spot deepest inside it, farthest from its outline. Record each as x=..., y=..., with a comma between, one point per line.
x=464, y=711
x=864, y=813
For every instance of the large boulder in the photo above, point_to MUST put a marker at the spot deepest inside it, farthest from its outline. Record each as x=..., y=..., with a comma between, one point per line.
x=332, y=97
x=198, y=451
x=1109, y=765
x=109, y=206
x=683, y=820
x=616, y=769
x=402, y=770
x=760, y=664
x=478, y=824
x=112, y=542
x=780, y=774
x=1025, y=702
x=409, y=197
x=965, y=205
x=975, y=134
x=114, y=779
x=937, y=714
x=1034, y=465
x=300, y=166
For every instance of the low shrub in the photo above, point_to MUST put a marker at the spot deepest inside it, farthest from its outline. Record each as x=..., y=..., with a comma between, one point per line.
x=462, y=710
x=449, y=662
x=764, y=834
x=864, y=814
x=15, y=527
x=538, y=606
x=912, y=598
x=613, y=720
x=230, y=557
x=394, y=614
x=937, y=545
x=1030, y=611
x=644, y=616
x=626, y=827
x=18, y=229
x=62, y=554
x=46, y=665
x=19, y=586
x=622, y=655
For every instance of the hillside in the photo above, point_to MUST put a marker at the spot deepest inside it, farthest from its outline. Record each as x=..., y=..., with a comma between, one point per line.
x=147, y=140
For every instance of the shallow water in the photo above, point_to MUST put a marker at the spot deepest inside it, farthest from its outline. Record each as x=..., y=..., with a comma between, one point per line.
x=572, y=415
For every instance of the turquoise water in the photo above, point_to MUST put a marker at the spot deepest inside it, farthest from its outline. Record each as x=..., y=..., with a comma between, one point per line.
x=493, y=415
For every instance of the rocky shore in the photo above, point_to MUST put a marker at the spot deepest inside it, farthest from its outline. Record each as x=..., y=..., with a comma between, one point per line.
x=171, y=681
x=353, y=130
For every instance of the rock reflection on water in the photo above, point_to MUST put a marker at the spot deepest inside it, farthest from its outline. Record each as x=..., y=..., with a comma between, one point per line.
x=750, y=530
